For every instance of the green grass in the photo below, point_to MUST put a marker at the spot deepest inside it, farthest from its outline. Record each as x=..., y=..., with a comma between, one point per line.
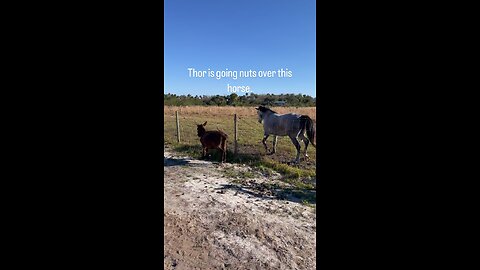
x=307, y=203
x=232, y=173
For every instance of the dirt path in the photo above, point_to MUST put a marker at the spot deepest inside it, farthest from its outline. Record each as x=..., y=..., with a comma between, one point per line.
x=212, y=221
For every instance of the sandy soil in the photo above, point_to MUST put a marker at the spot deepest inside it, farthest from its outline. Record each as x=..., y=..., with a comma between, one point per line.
x=215, y=221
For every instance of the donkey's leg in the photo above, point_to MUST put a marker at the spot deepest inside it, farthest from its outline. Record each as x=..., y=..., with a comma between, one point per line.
x=297, y=146
x=305, y=141
x=225, y=150
x=221, y=154
x=221, y=148
x=264, y=141
x=204, y=151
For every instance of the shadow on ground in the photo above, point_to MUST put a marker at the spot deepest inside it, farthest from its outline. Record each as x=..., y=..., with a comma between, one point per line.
x=178, y=161
x=175, y=162
x=214, y=155
x=247, y=155
x=266, y=191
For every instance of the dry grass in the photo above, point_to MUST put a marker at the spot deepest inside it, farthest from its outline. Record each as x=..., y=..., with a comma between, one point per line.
x=230, y=110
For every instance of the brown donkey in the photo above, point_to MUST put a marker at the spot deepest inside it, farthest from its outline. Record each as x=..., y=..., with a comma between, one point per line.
x=212, y=139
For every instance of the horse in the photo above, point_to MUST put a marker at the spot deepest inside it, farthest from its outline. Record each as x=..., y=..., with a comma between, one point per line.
x=292, y=125
x=212, y=139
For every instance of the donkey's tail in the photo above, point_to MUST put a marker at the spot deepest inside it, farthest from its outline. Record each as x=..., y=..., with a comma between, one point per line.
x=308, y=126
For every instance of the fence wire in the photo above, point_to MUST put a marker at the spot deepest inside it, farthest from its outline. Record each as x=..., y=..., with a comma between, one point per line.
x=249, y=130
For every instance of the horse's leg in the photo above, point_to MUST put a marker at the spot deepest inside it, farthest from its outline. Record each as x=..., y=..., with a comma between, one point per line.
x=274, y=144
x=265, y=137
x=203, y=152
x=306, y=141
x=297, y=146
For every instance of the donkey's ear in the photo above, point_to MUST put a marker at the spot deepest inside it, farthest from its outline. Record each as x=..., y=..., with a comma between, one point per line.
x=205, y=123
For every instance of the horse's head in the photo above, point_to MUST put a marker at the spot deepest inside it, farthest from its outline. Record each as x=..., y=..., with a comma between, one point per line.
x=262, y=111
x=201, y=129
x=260, y=115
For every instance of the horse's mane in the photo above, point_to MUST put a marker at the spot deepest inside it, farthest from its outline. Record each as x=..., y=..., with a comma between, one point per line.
x=265, y=109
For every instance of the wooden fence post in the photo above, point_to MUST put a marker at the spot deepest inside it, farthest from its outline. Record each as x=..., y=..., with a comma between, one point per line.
x=235, y=133
x=178, y=127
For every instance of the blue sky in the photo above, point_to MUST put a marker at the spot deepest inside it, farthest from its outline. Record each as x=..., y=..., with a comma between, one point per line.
x=239, y=35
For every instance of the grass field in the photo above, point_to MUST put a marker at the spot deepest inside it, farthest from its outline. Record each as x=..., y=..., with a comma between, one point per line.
x=250, y=135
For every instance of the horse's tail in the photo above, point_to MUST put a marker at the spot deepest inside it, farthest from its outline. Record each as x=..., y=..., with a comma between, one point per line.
x=308, y=126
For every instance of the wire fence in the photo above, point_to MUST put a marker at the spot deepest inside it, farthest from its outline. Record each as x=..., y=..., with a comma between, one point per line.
x=240, y=123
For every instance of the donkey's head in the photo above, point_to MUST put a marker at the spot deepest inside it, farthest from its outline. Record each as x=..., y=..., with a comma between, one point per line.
x=201, y=129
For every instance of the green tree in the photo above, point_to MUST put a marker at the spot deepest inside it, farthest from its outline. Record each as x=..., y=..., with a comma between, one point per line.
x=232, y=99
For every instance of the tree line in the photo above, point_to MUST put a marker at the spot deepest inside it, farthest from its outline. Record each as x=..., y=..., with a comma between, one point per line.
x=249, y=99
